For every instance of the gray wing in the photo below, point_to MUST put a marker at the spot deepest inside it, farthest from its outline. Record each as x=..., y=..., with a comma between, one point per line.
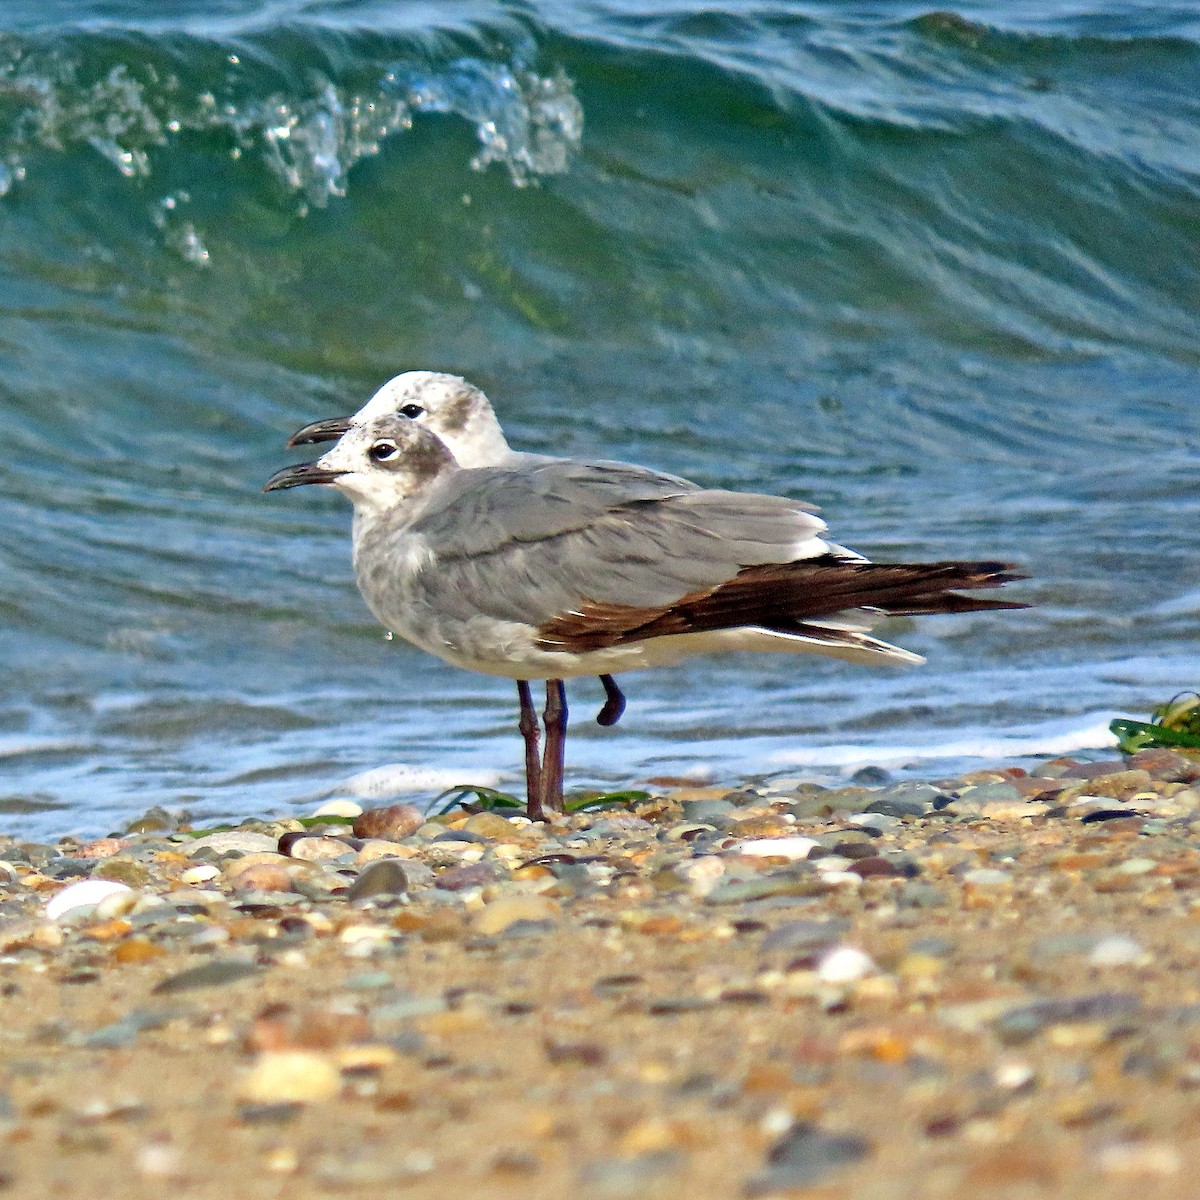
x=538, y=543
x=488, y=509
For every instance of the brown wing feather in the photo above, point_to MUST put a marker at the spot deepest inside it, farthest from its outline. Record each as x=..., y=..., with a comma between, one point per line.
x=781, y=597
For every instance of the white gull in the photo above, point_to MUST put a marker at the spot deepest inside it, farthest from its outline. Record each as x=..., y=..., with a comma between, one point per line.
x=462, y=416
x=560, y=568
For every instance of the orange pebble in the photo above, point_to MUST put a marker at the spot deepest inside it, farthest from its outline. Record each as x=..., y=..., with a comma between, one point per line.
x=108, y=931
x=137, y=950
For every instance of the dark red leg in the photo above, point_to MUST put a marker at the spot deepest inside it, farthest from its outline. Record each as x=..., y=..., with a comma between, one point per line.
x=555, y=718
x=531, y=731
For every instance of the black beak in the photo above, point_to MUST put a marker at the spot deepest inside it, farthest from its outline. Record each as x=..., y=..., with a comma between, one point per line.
x=301, y=473
x=320, y=431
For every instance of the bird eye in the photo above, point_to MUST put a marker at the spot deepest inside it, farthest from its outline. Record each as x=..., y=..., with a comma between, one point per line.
x=381, y=451
x=412, y=411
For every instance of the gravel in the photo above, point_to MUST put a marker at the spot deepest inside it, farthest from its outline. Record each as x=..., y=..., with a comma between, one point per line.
x=889, y=988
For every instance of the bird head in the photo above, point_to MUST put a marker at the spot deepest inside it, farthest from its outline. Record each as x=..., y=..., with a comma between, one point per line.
x=453, y=409
x=377, y=464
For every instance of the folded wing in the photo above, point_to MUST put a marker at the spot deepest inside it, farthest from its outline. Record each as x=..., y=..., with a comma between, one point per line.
x=562, y=540
x=592, y=556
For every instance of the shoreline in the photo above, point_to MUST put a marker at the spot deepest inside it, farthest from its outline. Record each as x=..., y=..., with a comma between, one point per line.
x=990, y=984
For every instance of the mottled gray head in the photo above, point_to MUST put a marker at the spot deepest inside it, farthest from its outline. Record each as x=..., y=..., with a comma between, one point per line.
x=455, y=410
x=376, y=464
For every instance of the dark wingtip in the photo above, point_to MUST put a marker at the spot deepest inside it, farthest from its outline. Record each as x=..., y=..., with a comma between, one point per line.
x=971, y=576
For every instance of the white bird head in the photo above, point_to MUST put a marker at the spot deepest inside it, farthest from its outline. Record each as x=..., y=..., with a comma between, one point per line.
x=378, y=464
x=453, y=409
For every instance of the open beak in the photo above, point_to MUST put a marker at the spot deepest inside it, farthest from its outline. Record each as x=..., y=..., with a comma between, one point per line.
x=320, y=431
x=299, y=474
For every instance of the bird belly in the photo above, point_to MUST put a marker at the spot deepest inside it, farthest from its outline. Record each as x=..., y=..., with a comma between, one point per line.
x=510, y=651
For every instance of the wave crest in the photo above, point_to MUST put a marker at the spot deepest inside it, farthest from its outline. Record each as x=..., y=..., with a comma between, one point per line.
x=308, y=135
x=528, y=122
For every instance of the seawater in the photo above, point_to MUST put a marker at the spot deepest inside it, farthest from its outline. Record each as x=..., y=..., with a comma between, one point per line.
x=935, y=271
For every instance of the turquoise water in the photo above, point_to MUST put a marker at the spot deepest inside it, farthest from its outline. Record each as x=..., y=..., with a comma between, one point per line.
x=936, y=272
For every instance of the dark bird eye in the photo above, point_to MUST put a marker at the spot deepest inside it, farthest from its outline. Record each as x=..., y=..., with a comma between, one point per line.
x=412, y=411
x=381, y=451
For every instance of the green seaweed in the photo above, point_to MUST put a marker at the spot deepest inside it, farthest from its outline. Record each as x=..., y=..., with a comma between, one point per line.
x=199, y=833
x=309, y=822
x=606, y=800
x=488, y=800
x=306, y=822
x=485, y=800
x=1174, y=725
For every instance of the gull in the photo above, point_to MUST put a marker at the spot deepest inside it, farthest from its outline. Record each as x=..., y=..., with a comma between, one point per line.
x=462, y=416
x=457, y=411
x=561, y=568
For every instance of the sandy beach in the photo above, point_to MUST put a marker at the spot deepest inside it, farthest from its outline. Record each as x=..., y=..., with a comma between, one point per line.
x=985, y=985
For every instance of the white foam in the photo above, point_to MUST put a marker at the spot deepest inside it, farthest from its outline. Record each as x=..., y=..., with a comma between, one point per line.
x=396, y=779
x=697, y=771
x=1179, y=606
x=1090, y=732
x=16, y=747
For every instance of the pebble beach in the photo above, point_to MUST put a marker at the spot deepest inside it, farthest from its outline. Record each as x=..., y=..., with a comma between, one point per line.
x=984, y=985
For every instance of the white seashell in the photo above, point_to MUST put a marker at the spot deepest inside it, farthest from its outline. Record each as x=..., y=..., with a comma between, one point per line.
x=845, y=964
x=369, y=935
x=87, y=893
x=201, y=874
x=116, y=905
x=1118, y=950
x=833, y=862
x=1014, y=1076
x=780, y=847
x=339, y=807
x=842, y=878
